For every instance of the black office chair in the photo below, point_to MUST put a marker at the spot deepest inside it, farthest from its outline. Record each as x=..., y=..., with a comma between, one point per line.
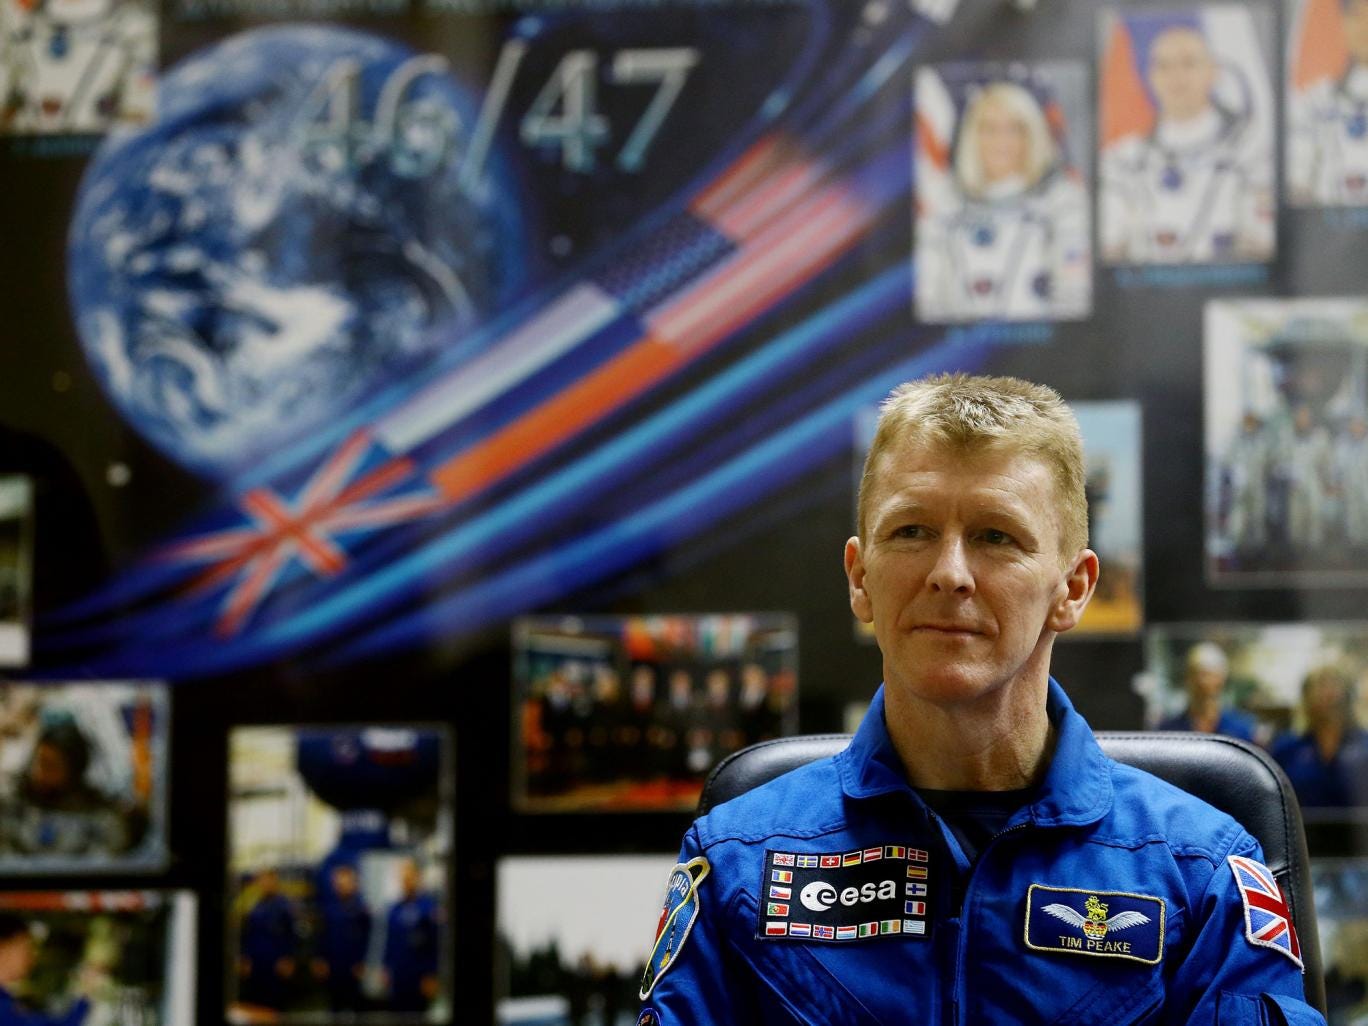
x=1237, y=778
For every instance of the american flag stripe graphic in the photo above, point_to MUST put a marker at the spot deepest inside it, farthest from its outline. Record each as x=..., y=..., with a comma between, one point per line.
x=1268, y=920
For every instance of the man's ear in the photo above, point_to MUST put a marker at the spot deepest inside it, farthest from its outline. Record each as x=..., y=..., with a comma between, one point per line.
x=1077, y=588
x=855, y=577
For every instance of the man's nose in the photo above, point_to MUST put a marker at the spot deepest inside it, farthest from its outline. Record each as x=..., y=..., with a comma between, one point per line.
x=951, y=572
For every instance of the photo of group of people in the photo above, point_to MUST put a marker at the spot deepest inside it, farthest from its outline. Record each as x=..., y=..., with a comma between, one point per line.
x=1298, y=690
x=618, y=713
x=573, y=936
x=97, y=958
x=1286, y=387
x=82, y=777
x=70, y=67
x=339, y=857
x=16, y=567
x=1187, y=129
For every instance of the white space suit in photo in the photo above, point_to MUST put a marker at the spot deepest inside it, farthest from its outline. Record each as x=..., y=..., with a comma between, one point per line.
x=1351, y=477
x=1327, y=144
x=1247, y=464
x=74, y=66
x=1199, y=187
x=1008, y=237
x=1303, y=459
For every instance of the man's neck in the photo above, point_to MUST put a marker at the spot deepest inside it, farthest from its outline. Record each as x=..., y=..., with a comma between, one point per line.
x=1002, y=742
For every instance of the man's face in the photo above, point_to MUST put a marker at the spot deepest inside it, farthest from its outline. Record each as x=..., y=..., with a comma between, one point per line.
x=960, y=572
x=344, y=881
x=1205, y=682
x=16, y=959
x=1181, y=73
x=1356, y=29
x=48, y=772
x=1001, y=139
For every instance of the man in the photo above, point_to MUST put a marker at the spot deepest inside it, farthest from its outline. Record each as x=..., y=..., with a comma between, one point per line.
x=1328, y=763
x=270, y=943
x=17, y=956
x=1198, y=188
x=413, y=941
x=345, y=939
x=1327, y=145
x=972, y=857
x=1207, y=671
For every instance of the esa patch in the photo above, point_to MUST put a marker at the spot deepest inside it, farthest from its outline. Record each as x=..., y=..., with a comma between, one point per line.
x=1268, y=920
x=1104, y=924
x=844, y=895
x=648, y=1017
x=676, y=920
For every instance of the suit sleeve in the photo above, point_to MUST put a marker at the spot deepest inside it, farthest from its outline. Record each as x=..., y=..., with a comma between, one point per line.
x=1225, y=977
x=694, y=977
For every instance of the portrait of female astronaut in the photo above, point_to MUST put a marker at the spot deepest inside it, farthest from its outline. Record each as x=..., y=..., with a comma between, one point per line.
x=1327, y=104
x=1002, y=215
x=1186, y=165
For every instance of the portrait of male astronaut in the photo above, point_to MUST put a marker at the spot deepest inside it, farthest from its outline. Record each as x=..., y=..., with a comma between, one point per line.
x=1002, y=206
x=1326, y=135
x=83, y=783
x=339, y=842
x=16, y=568
x=1286, y=438
x=72, y=67
x=97, y=958
x=1186, y=146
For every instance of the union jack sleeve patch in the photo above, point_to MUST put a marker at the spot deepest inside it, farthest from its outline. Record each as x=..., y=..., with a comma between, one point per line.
x=1268, y=920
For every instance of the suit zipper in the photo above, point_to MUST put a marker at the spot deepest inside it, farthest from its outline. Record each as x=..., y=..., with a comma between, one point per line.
x=963, y=931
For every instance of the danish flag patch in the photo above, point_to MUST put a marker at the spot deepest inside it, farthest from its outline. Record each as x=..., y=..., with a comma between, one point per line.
x=1268, y=920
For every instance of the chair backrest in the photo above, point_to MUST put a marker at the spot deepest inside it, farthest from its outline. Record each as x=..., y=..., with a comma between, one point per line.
x=1235, y=777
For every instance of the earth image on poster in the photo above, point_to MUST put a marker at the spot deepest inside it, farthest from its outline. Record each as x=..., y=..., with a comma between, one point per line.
x=294, y=228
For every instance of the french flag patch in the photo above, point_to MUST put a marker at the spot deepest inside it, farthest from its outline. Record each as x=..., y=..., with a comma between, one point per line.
x=1268, y=920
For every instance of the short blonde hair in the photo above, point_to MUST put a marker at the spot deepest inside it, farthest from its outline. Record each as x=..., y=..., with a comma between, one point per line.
x=1042, y=153
x=966, y=413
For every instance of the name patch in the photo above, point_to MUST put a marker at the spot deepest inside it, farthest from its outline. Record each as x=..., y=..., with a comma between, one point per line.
x=1104, y=924
x=839, y=896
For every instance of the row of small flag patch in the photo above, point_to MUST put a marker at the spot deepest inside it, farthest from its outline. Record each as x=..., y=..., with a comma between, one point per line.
x=850, y=858
x=785, y=876
x=840, y=933
x=777, y=893
x=910, y=908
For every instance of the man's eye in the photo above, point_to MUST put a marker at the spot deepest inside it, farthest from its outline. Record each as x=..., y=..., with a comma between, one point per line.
x=909, y=531
x=995, y=537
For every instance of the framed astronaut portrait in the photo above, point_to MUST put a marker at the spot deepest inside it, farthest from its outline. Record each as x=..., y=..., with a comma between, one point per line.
x=620, y=714
x=16, y=568
x=573, y=935
x=339, y=849
x=76, y=67
x=1112, y=445
x=102, y=956
x=1326, y=136
x=1285, y=384
x=1186, y=170
x=1003, y=229
x=1341, y=893
x=83, y=781
x=1299, y=690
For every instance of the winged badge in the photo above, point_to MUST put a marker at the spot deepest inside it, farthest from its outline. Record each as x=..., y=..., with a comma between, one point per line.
x=1096, y=923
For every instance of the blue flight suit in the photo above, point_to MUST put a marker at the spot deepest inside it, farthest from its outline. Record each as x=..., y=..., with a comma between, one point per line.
x=14, y=1014
x=343, y=944
x=269, y=933
x=412, y=942
x=1341, y=782
x=1014, y=950
x=1232, y=723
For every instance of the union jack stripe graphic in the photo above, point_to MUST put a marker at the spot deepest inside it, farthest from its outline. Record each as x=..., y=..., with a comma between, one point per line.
x=1268, y=920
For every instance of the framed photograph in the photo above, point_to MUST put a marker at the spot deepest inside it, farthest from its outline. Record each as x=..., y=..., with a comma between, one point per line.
x=16, y=568
x=339, y=855
x=1111, y=444
x=1285, y=385
x=1298, y=689
x=1341, y=890
x=83, y=777
x=630, y=713
x=76, y=67
x=1326, y=134
x=1002, y=204
x=1186, y=157
x=99, y=957
x=574, y=933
